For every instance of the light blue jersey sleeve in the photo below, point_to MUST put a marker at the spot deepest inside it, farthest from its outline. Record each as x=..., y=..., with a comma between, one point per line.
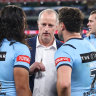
x=22, y=56
x=63, y=58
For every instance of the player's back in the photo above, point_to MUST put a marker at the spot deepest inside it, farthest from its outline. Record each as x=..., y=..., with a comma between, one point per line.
x=9, y=51
x=82, y=57
x=6, y=66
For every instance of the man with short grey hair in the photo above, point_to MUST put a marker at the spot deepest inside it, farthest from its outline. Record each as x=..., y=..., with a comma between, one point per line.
x=44, y=47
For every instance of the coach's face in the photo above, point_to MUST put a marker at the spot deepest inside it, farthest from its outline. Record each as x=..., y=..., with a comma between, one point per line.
x=47, y=26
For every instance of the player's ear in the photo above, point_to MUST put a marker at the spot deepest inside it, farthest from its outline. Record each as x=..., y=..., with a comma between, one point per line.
x=62, y=26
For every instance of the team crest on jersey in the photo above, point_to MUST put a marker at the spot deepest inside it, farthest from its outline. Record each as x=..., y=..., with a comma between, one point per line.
x=2, y=56
x=60, y=59
x=23, y=58
x=88, y=57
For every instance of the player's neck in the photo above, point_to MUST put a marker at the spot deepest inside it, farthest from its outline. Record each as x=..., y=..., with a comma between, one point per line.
x=68, y=36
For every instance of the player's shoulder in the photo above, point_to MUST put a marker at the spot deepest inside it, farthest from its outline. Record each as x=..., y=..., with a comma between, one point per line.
x=69, y=46
x=90, y=37
x=66, y=48
x=20, y=46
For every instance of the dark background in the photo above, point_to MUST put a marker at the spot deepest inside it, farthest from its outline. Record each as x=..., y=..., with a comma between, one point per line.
x=32, y=9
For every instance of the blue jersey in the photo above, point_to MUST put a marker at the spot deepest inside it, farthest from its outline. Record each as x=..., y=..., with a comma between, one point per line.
x=92, y=39
x=11, y=55
x=80, y=55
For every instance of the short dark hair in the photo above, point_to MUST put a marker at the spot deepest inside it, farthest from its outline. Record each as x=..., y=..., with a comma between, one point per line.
x=72, y=18
x=12, y=23
x=93, y=12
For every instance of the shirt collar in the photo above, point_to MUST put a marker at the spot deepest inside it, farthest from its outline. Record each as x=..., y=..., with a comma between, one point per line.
x=52, y=46
x=38, y=43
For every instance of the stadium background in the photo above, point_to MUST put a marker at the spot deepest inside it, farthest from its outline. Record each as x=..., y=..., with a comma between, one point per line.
x=32, y=9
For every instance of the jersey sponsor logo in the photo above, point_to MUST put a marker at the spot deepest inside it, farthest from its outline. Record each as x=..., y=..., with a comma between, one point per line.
x=23, y=58
x=88, y=57
x=60, y=59
x=2, y=56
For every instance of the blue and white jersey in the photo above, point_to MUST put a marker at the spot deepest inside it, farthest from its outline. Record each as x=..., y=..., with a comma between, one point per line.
x=80, y=55
x=11, y=55
x=91, y=39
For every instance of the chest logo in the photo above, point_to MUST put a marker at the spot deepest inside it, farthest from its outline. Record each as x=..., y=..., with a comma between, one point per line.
x=2, y=56
x=88, y=57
